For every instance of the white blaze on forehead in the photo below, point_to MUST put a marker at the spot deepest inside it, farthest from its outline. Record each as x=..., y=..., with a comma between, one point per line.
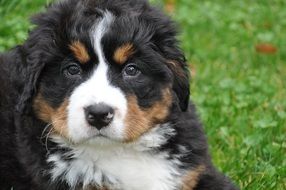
x=97, y=89
x=97, y=33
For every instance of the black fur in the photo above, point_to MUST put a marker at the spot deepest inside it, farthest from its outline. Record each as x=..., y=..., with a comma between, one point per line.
x=39, y=64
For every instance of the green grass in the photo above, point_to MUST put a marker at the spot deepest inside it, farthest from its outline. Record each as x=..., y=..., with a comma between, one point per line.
x=14, y=19
x=240, y=93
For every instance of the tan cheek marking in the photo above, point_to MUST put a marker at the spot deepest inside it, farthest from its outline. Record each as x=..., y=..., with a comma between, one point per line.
x=80, y=51
x=135, y=122
x=56, y=117
x=122, y=53
x=138, y=121
x=191, y=179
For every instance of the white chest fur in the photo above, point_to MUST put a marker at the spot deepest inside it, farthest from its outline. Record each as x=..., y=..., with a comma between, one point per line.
x=120, y=167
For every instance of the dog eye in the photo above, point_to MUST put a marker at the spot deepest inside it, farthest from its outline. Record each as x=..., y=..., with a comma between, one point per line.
x=73, y=70
x=131, y=70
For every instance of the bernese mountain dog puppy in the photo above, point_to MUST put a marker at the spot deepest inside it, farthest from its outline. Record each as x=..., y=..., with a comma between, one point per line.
x=98, y=98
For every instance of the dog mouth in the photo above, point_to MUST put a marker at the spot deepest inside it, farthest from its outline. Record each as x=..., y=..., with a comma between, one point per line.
x=93, y=139
x=101, y=136
x=95, y=135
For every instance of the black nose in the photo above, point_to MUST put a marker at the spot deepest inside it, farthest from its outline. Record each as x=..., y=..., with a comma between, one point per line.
x=99, y=115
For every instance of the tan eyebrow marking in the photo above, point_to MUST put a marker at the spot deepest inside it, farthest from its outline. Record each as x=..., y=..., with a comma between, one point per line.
x=123, y=52
x=80, y=52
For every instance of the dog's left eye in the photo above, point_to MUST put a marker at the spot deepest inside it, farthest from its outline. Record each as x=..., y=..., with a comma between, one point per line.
x=131, y=70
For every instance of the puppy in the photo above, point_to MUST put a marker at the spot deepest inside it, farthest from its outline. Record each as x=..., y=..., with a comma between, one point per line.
x=98, y=98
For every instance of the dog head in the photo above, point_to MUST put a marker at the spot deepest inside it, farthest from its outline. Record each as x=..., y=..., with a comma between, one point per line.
x=104, y=69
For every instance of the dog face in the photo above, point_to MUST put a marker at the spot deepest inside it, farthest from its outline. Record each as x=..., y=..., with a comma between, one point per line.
x=104, y=71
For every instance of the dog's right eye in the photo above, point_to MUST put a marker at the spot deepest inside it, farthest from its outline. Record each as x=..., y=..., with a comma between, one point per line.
x=72, y=70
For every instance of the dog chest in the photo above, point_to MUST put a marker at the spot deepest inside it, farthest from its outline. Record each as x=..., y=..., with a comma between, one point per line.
x=118, y=168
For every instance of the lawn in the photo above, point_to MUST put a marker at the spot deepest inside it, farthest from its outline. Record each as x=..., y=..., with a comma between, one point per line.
x=237, y=55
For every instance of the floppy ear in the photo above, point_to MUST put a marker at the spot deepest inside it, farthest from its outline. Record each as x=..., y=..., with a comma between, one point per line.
x=35, y=52
x=166, y=44
x=31, y=69
x=180, y=82
x=176, y=62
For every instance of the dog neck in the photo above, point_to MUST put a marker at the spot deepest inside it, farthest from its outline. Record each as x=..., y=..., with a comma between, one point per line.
x=130, y=166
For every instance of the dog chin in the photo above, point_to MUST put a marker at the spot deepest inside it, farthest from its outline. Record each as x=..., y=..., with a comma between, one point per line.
x=92, y=140
x=92, y=137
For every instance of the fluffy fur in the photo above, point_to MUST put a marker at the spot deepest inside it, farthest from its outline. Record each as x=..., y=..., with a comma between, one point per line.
x=122, y=56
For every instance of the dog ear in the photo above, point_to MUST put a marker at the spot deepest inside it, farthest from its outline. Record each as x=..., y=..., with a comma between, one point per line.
x=31, y=67
x=181, y=83
x=176, y=62
x=166, y=44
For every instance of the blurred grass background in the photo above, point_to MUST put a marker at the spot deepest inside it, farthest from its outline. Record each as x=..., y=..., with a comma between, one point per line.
x=237, y=55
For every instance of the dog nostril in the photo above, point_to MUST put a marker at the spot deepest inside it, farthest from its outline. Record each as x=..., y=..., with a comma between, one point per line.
x=99, y=115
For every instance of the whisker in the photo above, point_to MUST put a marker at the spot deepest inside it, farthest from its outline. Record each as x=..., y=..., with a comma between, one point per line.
x=51, y=130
